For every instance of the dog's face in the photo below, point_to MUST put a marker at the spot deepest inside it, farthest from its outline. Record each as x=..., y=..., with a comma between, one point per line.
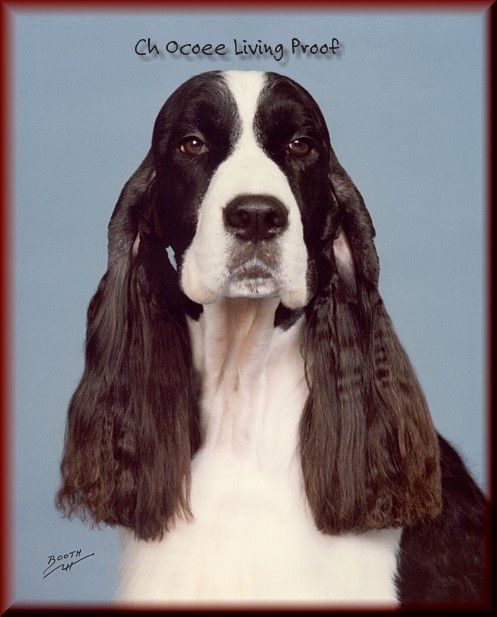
x=241, y=160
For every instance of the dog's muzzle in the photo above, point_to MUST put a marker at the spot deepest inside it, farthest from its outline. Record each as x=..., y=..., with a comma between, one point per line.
x=255, y=222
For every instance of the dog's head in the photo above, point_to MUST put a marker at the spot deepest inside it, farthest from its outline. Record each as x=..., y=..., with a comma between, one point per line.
x=241, y=163
x=242, y=185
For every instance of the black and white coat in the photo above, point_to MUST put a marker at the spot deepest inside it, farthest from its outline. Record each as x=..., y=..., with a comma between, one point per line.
x=248, y=415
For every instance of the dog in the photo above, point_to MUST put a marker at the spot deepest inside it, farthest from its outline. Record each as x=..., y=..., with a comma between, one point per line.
x=247, y=415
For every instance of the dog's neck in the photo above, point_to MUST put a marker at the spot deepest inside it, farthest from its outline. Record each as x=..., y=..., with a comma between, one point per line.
x=252, y=380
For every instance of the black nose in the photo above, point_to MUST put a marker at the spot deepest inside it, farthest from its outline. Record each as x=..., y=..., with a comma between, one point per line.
x=255, y=217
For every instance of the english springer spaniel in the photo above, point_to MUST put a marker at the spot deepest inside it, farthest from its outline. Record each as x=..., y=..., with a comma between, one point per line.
x=247, y=414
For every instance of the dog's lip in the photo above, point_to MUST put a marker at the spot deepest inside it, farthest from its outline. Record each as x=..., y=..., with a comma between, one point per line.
x=263, y=254
x=253, y=269
x=253, y=272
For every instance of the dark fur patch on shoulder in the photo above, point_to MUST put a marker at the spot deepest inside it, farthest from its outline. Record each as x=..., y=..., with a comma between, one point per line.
x=444, y=560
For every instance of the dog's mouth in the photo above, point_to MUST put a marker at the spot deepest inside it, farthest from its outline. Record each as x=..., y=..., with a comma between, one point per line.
x=253, y=273
x=245, y=270
x=265, y=254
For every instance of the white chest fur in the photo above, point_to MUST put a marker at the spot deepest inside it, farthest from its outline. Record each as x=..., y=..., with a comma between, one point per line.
x=253, y=538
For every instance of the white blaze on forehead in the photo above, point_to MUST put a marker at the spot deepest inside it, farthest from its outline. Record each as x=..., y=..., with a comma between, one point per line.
x=246, y=87
x=205, y=275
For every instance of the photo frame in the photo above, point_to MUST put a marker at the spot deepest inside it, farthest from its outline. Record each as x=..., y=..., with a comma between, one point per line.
x=403, y=88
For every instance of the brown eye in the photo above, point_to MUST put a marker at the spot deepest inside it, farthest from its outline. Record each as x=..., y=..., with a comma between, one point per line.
x=299, y=147
x=193, y=146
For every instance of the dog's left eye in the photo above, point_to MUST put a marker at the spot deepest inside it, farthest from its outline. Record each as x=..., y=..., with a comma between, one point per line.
x=299, y=147
x=193, y=146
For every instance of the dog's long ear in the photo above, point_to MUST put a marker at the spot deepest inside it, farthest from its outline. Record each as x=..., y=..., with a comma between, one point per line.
x=132, y=422
x=368, y=447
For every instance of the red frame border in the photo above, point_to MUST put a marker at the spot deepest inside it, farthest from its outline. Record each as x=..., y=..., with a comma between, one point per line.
x=244, y=5
x=6, y=244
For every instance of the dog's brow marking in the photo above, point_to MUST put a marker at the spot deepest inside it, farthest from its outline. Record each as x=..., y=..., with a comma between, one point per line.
x=246, y=86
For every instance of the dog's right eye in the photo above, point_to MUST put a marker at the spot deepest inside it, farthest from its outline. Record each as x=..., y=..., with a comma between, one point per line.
x=193, y=146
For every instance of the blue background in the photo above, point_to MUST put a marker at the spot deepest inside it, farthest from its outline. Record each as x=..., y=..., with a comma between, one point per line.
x=403, y=101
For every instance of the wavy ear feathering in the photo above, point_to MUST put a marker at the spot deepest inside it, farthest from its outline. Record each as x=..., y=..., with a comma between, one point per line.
x=132, y=422
x=369, y=450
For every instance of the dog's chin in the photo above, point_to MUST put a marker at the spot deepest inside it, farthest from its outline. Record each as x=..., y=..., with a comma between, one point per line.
x=255, y=288
x=267, y=288
x=259, y=287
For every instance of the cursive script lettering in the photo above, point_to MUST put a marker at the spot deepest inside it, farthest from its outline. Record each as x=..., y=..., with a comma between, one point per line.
x=63, y=561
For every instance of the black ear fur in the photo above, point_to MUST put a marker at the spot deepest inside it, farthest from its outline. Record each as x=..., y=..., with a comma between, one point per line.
x=369, y=450
x=133, y=422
